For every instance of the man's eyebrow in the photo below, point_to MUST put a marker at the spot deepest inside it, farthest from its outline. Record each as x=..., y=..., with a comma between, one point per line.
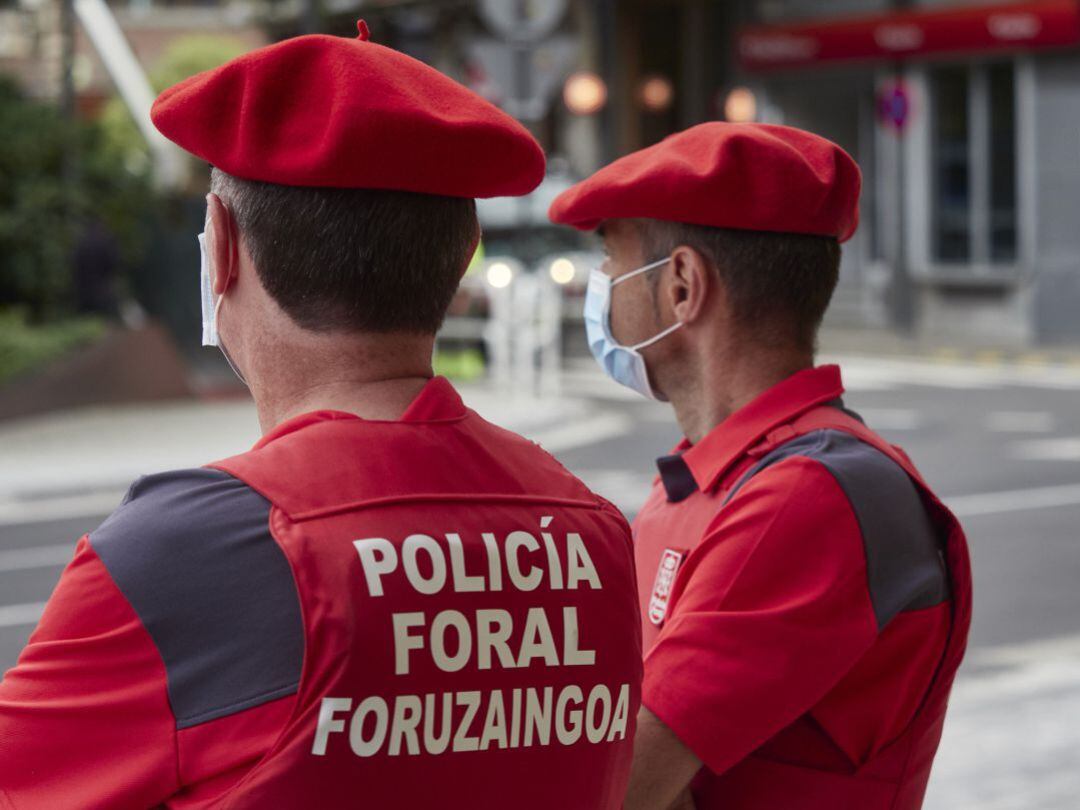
x=600, y=230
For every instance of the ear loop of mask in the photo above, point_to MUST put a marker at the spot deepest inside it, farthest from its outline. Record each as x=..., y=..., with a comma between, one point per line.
x=217, y=331
x=655, y=338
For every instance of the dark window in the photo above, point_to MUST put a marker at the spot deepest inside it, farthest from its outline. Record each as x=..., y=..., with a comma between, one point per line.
x=1002, y=164
x=951, y=183
x=973, y=164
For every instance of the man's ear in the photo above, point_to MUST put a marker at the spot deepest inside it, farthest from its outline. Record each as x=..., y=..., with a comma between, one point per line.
x=692, y=282
x=221, y=244
x=472, y=251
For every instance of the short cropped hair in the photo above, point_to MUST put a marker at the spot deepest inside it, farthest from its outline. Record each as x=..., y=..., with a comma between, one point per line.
x=353, y=260
x=779, y=284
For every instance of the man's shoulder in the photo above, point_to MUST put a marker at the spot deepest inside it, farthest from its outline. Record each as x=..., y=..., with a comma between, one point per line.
x=901, y=542
x=172, y=493
x=179, y=512
x=192, y=552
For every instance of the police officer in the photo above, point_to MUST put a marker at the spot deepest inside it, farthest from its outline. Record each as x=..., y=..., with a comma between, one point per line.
x=388, y=602
x=805, y=597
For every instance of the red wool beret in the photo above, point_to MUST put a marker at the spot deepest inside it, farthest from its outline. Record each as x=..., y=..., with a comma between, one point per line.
x=331, y=111
x=756, y=177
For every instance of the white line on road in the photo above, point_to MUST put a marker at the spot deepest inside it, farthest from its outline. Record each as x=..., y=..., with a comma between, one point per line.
x=862, y=370
x=1020, y=422
x=576, y=434
x=1016, y=500
x=1010, y=735
x=43, y=510
x=18, y=615
x=892, y=418
x=24, y=559
x=1043, y=649
x=1060, y=449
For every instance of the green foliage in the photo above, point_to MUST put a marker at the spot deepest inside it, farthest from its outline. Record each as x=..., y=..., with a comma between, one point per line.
x=42, y=207
x=185, y=57
x=24, y=347
x=463, y=365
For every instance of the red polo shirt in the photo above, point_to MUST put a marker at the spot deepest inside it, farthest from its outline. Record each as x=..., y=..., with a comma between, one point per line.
x=423, y=612
x=794, y=595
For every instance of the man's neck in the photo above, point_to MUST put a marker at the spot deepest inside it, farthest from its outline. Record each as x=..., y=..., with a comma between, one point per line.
x=376, y=379
x=723, y=385
x=383, y=400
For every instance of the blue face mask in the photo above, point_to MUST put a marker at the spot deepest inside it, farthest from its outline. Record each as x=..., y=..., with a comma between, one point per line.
x=624, y=364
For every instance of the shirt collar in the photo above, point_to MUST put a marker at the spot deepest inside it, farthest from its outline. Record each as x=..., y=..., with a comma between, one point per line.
x=700, y=466
x=438, y=401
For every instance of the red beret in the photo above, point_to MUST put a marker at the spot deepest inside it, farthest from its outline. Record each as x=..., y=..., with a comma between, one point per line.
x=756, y=177
x=330, y=111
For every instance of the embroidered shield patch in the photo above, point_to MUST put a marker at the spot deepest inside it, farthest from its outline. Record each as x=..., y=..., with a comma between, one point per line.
x=665, y=578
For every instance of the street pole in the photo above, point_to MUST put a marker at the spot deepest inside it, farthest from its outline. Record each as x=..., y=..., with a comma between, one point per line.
x=607, y=20
x=70, y=159
x=523, y=56
x=309, y=18
x=901, y=294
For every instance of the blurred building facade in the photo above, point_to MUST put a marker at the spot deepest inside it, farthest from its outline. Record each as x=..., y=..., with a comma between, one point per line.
x=962, y=113
x=31, y=41
x=965, y=118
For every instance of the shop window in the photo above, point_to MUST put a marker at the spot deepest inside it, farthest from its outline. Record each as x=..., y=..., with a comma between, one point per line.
x=973, y=164
x=1002, y=163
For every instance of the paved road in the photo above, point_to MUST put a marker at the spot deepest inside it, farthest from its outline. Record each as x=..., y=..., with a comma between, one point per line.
x=1002, y=446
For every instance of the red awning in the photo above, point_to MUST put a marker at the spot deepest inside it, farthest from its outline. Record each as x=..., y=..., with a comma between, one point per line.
x=1009, y=26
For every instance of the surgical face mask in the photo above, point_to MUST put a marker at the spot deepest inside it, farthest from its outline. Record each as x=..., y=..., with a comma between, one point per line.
x=624, y=364
x=211, y=307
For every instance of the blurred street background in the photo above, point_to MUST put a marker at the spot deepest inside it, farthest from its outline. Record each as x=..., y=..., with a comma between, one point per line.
x=955, y=320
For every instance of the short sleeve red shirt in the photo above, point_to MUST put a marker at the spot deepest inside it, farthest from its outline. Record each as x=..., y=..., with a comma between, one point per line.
x=228, y=637
x=793, y=593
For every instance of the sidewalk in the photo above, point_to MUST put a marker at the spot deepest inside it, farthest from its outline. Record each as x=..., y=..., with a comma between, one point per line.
x=1011, y=735
x=82, y=461
x=887, y=344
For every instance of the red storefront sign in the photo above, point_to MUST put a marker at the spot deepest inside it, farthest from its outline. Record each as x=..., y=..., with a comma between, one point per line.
x=1035, y=24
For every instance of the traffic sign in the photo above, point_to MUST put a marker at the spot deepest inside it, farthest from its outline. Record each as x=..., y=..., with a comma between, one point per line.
x=523, y=20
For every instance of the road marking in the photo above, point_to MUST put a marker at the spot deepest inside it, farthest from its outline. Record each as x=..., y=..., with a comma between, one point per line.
x=1042, y=649
x=627, y=490
x=19, y=615
x=24, y=559
x=892, y=418
x=576, y=434
x=1061, y=449
x=593, y=384
x=1030, y=693
x=572, y=434
x=1020, y=422
x=1015, y=500
x=44, y=510
x=862, y=370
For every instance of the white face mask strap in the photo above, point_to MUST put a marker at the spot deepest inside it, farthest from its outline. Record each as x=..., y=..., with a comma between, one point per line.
x=217, y=316
x=640, y=270
x=221, y=345
x=646, y=343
